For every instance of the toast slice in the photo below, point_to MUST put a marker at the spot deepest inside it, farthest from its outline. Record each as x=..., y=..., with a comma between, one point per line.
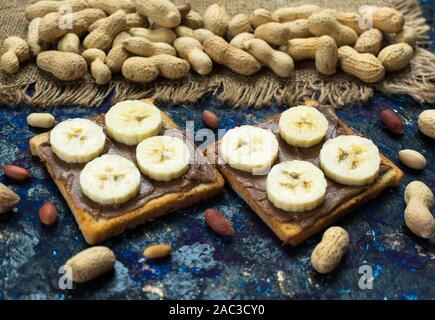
x=98, y=229
x=295, y=232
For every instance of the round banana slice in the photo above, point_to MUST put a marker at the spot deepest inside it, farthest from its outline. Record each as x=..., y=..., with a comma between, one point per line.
x=249, y=149
x=302, y=126
x=77, y=140
x=350, y=160
x=130, y=122
x=110, y=179
x=163, y=158
x=296, y=186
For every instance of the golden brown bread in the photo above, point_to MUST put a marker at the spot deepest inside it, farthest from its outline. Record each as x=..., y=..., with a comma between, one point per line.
x=98, y=230
x=291, y=232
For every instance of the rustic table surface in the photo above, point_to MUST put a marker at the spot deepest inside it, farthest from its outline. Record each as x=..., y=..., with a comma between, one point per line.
x=253, y=264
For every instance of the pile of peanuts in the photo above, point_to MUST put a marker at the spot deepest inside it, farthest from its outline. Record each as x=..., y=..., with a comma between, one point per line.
x=145, y=39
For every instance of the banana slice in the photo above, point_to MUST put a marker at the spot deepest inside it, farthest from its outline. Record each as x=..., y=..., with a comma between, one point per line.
x=302, y=126
x=130, y=122
x=249, y=149
x=163, y=158
x=296, y=186
x=110, y=179
x=350, y=160
x=77, y=140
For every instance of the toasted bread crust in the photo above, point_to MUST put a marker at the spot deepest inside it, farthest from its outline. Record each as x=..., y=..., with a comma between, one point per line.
x=292, y=233
x=98, y=230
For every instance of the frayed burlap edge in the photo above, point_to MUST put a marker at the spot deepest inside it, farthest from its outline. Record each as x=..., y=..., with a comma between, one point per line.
x=420, y=84
x=234, y=90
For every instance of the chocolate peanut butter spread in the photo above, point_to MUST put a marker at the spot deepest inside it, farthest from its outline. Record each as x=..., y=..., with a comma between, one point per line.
x=336, y=193
x=200, y=171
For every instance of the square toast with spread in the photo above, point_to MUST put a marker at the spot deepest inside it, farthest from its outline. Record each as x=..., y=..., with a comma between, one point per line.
x=97, y=227
x=294, y=227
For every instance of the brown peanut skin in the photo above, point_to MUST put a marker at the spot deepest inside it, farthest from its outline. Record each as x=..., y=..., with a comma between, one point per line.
x=162, y=12
x=91, y=263
x=218, y=223
x=328, y=253
x=66, y=66
x=48, y=214
x=157, y=251
x=392, y=121
x=369, y=41
x=364, y=66
x=8, y=199
x=216, y=19
x=237, y=60
x=210, y=119
x=395, y=57
x=418, y=218
x=16, y=173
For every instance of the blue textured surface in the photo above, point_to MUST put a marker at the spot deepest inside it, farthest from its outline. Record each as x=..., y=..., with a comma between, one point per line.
x=251, y=265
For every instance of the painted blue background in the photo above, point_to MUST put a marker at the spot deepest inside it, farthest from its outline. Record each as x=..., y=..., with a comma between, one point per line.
x=251, y=265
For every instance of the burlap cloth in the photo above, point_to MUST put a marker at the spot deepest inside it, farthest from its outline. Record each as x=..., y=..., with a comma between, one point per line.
x=37, y=88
